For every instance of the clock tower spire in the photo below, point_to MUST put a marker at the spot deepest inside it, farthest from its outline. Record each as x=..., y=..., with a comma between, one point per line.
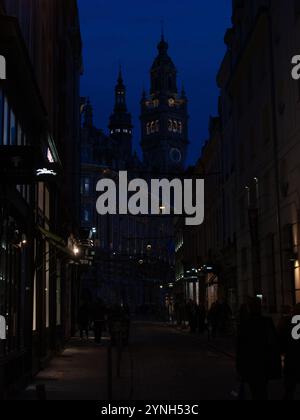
x=120, y=124
x=164, y=117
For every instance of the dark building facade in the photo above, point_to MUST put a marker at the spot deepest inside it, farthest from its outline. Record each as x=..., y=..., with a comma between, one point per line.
x=39, y=191
x=250, y=237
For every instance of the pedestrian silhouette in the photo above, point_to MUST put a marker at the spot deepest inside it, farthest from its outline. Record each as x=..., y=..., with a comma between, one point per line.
x=258, y=351
x=99, y=320
x=84, y=320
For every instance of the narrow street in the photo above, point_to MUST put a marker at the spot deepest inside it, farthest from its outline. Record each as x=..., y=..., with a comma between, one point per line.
x=160, y=364
x=171, y=365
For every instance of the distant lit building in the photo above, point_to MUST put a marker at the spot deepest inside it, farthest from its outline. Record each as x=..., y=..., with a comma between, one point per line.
x=133, y=256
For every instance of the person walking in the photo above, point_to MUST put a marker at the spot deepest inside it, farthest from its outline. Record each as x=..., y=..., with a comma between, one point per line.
x=291, y=351
x=99, y=320
x=83, y=319
x=258, y=351
x=213, y=319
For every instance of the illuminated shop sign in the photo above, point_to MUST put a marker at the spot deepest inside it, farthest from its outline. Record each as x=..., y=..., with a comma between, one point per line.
x=45, y=172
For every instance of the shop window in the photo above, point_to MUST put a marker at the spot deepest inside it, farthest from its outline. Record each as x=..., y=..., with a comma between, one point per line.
x=1, y=116
x=10, y=284
x=5, y=123
x=47, y=286
x=13, y=129
x=34, y=303
x=58, y=294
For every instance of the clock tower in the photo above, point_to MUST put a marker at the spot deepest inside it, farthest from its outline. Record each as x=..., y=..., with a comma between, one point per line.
x=164, y=118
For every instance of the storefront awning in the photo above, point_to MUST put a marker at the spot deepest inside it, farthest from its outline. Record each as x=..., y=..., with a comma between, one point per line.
x=58, y=242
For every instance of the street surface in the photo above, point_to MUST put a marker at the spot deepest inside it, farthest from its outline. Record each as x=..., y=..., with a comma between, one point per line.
x=161, y=363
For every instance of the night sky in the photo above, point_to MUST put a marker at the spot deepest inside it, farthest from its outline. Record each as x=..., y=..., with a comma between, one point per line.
x=127, y=32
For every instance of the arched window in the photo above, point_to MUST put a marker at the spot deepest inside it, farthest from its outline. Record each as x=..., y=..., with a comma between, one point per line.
x=175, y=126
x=170, y=125
x=153, y=127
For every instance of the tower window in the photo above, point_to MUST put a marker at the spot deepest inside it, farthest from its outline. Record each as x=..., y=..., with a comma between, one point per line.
x=148, y=129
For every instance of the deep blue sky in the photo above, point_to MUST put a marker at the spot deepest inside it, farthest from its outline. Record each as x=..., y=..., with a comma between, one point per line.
x=128, y=31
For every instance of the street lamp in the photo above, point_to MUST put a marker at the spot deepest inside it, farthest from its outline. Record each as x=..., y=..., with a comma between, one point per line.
x=76, y=250
x=24, y=240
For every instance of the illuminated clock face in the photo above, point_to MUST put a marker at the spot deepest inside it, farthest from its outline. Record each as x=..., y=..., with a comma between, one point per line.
x=175, y=155
x=171, y=102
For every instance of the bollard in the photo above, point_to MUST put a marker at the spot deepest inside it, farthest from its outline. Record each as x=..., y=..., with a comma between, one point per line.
x=119, y=354
x=109, y=372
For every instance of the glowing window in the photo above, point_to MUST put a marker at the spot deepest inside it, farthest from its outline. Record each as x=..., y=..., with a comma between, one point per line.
x=50, y=156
